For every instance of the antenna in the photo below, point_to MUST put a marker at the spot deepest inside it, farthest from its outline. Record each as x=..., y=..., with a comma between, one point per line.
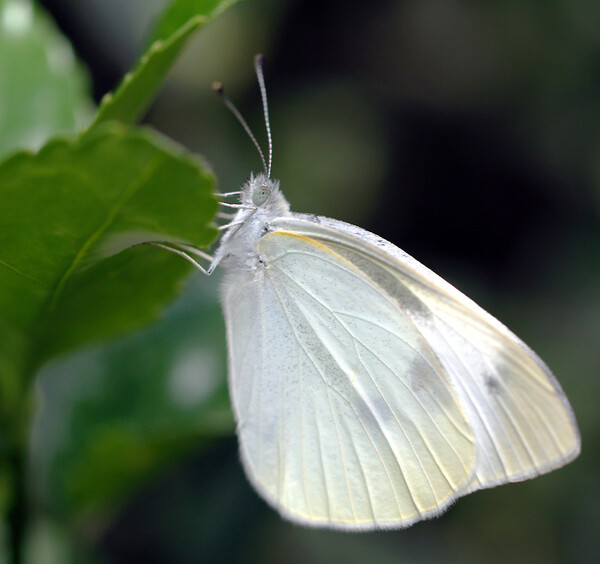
x=218, y=88
x=259, y=61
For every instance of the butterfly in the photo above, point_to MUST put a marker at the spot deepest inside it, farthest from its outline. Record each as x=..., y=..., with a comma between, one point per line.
x=368, y=392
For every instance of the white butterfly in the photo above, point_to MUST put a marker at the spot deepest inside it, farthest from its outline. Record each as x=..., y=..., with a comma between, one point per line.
x=368, y=392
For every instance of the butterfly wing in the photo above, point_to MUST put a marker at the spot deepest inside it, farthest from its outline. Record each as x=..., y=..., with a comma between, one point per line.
x=520, y=418
x=368, y=392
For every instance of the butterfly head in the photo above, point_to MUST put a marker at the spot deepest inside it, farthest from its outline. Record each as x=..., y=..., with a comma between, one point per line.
x=262, y=193
x=262, y=202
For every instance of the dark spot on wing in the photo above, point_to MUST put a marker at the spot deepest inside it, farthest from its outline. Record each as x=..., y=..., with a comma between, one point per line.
x=412, y=305
x=492, y=384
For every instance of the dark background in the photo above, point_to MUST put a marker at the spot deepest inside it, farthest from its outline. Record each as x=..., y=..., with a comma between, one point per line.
x=466, y=133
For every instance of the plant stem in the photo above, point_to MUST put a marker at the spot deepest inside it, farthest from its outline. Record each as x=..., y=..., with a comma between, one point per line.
x=14, y=425
x=17, y=514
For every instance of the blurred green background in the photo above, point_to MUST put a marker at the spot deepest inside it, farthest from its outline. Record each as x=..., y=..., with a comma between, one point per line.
x=466, y=133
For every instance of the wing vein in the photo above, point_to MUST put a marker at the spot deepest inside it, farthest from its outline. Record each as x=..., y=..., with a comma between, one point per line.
x=404, y=432
x=343, y=458
x=324, y=474
x=474, y=403
x=302, y=445
x=383, y=432
x=426, y=360
x=237, y=399
x=414, y=396
x=423, y=437
x=280, y=434
x=510, y=419
x=541, y=417
x=261, y=305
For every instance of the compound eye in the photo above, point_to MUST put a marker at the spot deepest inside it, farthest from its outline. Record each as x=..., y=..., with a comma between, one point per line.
x=260, y=195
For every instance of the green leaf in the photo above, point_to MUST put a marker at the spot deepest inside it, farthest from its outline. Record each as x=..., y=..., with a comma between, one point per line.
x=70, y=206
x=43, y=91
x=179, y=12
x=179, y=22
x=146, y=400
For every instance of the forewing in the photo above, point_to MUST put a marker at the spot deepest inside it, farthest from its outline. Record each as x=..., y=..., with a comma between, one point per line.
x=520, y=418
x=345, y=414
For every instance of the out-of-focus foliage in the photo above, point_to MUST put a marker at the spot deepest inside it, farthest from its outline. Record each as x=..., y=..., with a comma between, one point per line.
x=146, y=400
x=178, y=13
x=43, y=90
x=179, y=22
x=72, y=271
